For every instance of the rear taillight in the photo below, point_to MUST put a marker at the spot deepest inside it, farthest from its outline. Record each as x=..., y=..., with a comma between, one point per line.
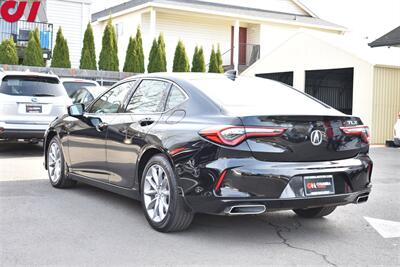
x=361, y=131
x=234, y=135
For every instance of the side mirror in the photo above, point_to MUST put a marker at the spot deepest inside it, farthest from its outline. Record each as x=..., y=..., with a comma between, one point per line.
x=76, y=110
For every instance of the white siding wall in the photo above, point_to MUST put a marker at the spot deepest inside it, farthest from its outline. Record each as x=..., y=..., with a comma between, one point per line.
x=192, y=31
x=129, y=25
x=73, y=17
x=286, y=6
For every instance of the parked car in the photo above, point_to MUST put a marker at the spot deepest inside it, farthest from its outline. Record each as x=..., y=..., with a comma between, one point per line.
x=200, y=143
x=72, y=85
x=28, y=103
x=86, y=95
x=397, y=131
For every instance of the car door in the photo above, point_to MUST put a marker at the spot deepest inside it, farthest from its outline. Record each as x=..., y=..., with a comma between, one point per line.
x=87, y=135
x=126, y=134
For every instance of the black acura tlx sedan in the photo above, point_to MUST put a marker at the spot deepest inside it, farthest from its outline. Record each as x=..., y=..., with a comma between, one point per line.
x=204, y=143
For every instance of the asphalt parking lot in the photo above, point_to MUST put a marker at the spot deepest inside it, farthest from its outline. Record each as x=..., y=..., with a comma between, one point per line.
x=85, y=226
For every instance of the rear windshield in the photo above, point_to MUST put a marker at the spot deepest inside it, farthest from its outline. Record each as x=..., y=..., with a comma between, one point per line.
x=72, y=87
x=258, y=95
x=31, y=86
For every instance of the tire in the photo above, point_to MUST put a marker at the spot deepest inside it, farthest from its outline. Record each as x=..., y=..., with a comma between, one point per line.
x=172, y=215
x=56, y=165
x=315, y=212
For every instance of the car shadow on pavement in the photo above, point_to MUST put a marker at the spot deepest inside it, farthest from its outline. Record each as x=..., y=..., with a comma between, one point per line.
x=250, y=227
x=89, y=210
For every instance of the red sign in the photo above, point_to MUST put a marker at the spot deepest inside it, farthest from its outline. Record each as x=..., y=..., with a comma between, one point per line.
x=10, y=13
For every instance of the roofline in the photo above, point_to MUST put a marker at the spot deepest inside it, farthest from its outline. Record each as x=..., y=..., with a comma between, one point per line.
x=382, y=43
x=373, y=64
x=306, y=9
x=217, y=13
x=391, y=38
x=214, y=4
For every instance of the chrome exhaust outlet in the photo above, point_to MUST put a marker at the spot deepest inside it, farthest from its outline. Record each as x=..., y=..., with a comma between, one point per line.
x=362, y=199
x=246, y=210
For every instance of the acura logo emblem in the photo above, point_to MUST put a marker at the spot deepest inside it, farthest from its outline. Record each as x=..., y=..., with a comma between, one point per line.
x=316, y=137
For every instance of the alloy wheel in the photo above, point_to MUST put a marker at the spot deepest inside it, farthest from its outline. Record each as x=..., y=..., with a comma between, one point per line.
x=55, y=163
x=156, y=192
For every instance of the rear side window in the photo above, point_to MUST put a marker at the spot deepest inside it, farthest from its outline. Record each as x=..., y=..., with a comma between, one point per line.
x=176, y=97
x=72, y=87
x=31, y=86
x=149, y=97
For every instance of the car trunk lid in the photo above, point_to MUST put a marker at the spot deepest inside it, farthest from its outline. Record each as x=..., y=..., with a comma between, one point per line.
x=307, y=138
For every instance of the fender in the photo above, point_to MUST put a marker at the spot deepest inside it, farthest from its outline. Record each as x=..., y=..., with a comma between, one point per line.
x=143, y=150
x=53, y=132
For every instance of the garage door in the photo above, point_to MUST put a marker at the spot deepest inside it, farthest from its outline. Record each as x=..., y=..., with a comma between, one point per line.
x=333, y=87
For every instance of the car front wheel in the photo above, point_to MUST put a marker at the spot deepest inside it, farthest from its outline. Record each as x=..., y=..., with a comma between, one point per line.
x=163, y=206
x=56, y=166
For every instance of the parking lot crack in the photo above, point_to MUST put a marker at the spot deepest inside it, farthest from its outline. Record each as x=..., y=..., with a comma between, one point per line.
x=279, y=232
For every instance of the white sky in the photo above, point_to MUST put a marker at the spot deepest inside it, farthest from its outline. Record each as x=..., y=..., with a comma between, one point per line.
x=366, y=18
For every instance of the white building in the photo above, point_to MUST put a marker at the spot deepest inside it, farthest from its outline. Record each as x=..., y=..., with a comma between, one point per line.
x=244, y=29
x=341, y=71
x=73, y=16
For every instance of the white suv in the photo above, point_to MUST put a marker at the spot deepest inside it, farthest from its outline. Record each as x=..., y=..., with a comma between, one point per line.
x=28, y=103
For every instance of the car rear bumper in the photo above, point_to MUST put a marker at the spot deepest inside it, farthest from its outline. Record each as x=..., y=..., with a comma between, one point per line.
x=224, y=206
x=12, y=134
x=23, y=129
x=275, y=185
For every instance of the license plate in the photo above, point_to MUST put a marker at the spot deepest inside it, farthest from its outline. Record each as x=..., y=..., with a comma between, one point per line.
x=319, y=185
x=33, y=109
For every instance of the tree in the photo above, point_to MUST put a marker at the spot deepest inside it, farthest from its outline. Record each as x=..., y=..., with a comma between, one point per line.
x=134, y=60
x=61, y=52
x=88, y=53
x=33, y=52
x=8, y=52
x=219, y=61
x=139, y=52
x=109, y=50
x=162, y=53
x=213, y=65
x=154, y=59
x=131, y=58
x=36, y=35
x=198, y=62
x=157, y=57
x=181, y=61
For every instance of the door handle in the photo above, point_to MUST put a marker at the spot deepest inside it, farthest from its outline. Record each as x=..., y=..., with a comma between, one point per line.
x=101, y=126
x=146, y=122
